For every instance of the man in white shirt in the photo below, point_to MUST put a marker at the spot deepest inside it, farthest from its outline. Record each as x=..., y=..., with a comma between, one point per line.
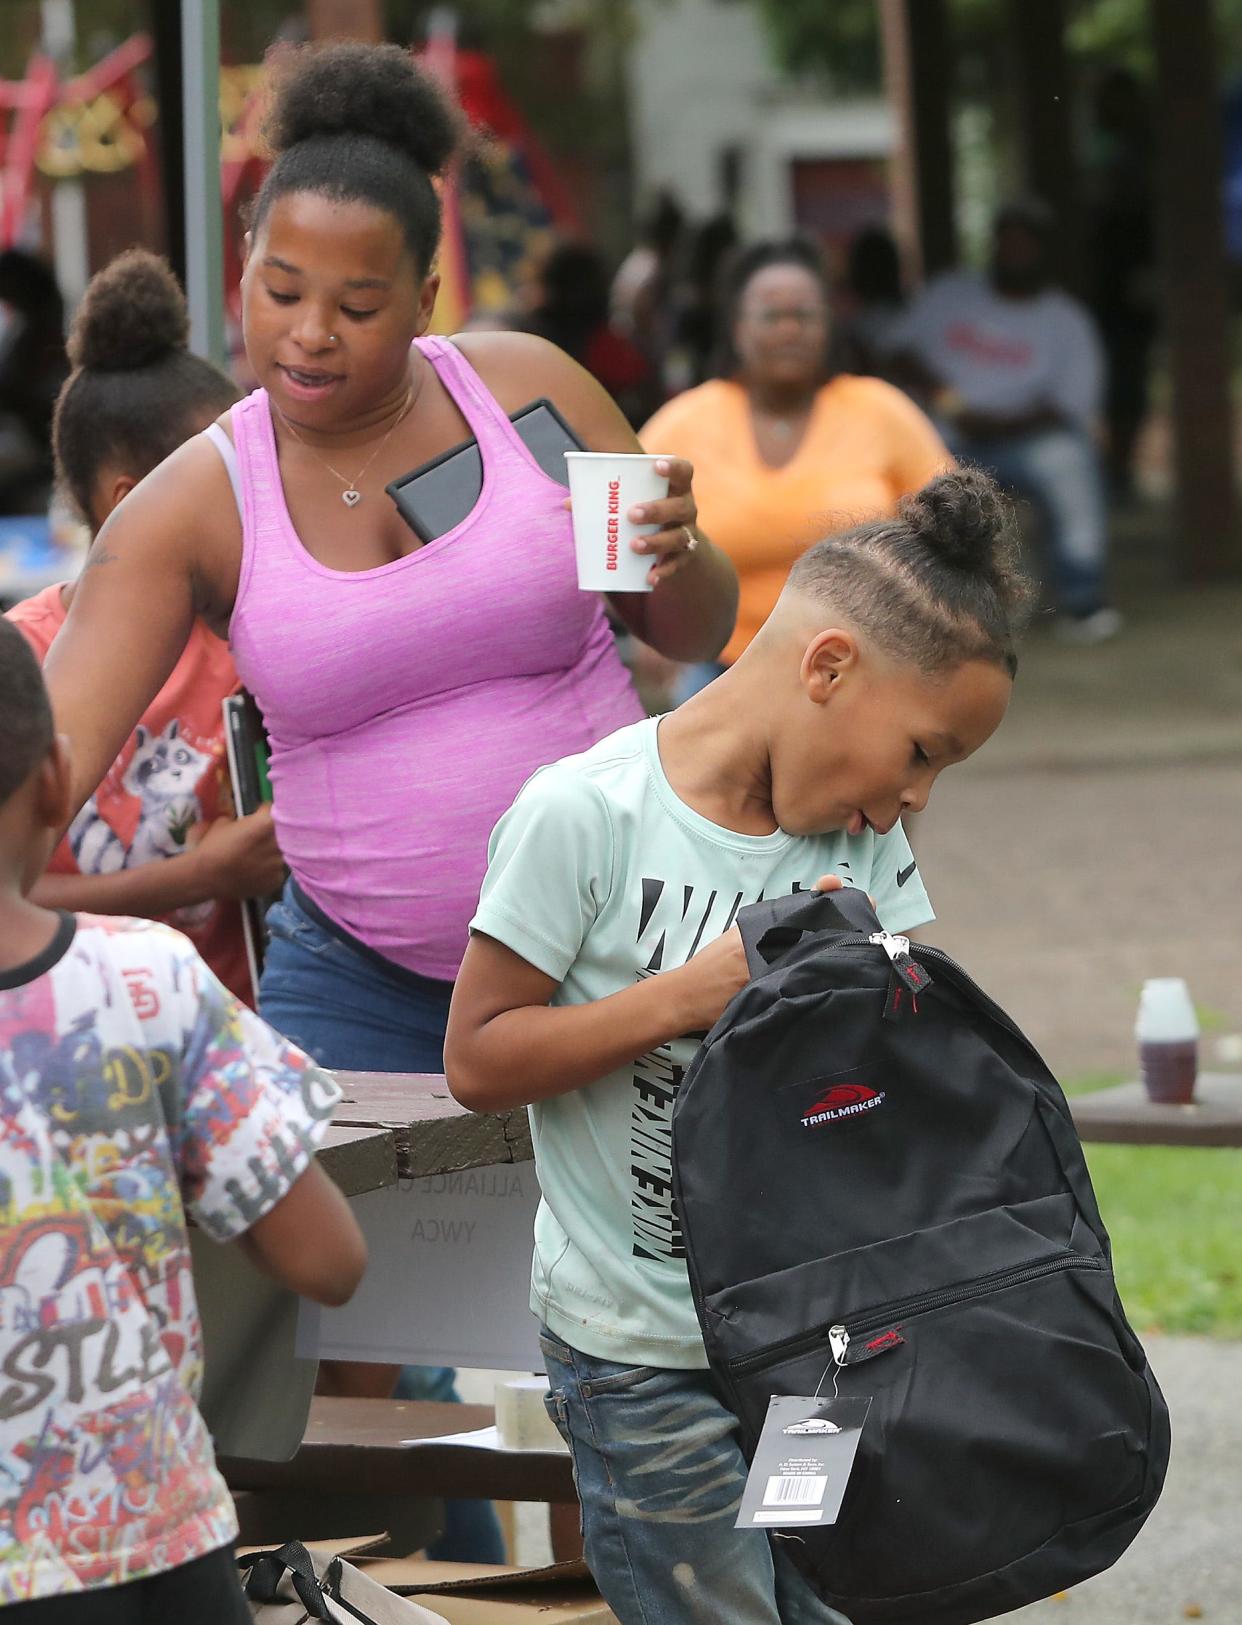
x=1012, y=368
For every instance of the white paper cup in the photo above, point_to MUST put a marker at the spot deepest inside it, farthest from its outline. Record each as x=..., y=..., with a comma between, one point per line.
x=1166, y=1013
x=604, y=486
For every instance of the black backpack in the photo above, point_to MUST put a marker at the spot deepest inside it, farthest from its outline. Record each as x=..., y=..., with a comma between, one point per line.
x=878, y=1179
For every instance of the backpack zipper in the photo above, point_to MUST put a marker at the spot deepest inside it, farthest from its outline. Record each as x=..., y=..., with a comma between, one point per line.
x=840, y=1335
x=919, y=952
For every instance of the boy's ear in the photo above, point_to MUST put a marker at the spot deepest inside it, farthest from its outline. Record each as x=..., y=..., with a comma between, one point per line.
x=828, y=658
x=54, y=785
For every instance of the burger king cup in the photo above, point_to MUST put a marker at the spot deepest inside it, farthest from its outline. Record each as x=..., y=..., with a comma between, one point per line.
x=604, y=486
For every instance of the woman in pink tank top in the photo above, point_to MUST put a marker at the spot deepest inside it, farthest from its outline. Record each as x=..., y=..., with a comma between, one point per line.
x=409, y=690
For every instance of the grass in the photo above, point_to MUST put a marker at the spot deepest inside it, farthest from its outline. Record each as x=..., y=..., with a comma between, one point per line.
x=1175, y=1218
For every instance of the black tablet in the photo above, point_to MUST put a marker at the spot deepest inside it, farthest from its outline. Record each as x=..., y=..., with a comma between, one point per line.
x=439, y=495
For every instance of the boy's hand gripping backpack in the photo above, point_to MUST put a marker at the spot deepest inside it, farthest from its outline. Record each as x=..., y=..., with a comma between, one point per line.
x=879, y=1180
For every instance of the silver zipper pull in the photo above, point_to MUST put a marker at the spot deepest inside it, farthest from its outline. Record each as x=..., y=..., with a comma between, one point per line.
x=838, y=1342
x=904, y=967
x=893, y=946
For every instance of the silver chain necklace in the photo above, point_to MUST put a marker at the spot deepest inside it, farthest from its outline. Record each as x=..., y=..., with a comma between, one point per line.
x=351, y=496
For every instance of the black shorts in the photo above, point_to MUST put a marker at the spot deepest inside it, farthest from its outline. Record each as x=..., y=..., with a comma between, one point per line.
x=205, y=1592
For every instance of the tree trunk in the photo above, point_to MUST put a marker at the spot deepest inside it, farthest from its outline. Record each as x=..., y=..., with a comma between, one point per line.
x=1045, y=100
x=918, y=71
x=1188, y=121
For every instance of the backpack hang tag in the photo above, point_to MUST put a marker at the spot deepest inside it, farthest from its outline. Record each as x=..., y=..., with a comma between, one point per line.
x=802, y=1462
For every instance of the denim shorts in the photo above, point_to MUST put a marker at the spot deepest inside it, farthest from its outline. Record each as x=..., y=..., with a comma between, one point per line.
x=344, y=1004
x=659, y=1471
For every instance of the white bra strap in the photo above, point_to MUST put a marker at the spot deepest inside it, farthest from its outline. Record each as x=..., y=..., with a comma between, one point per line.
x=228, y=454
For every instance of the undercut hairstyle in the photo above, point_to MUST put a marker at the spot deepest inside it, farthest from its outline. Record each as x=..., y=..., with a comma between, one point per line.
x=135, y=392
x=26, y=730
x=938, y=585
x=361, y=123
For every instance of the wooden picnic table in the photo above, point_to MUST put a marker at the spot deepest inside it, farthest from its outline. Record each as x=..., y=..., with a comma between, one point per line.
x=1123, y=1114
x=405, y=1125
x=390, y=1126
x=394, y=1447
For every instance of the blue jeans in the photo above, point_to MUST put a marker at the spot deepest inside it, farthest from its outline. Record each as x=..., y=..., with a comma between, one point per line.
x=1058, y=472
x=343, y=1003
x=352, y=1010
x=660, y=1472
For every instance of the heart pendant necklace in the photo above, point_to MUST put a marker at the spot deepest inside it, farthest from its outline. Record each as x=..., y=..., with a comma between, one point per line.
x=351, y=496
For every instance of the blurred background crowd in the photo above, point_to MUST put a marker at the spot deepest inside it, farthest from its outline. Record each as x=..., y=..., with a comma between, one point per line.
x=627, y=152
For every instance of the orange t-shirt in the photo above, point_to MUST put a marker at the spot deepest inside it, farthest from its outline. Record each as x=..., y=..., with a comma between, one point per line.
x=166, y=779
x=866, y=445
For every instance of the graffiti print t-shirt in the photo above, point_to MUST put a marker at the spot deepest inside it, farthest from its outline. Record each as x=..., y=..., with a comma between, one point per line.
x=599, y=875
x=133, y=1088
x=166, y=779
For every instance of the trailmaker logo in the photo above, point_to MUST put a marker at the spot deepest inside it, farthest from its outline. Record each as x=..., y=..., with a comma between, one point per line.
x=841, y=1101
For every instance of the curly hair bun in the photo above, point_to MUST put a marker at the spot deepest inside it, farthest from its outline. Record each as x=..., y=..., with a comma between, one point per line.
x=965, y=518
x=132, y=315
x=368, y=90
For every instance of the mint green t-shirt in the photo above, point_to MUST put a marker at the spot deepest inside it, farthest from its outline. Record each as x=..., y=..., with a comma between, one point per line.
x=599, y=875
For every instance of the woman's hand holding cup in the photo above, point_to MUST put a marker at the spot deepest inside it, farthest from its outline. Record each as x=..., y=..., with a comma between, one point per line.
x=676, y=515
x=615, y=493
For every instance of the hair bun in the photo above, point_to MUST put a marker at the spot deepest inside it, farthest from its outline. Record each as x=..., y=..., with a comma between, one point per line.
x=133, y=314
x=368, y=90
x=965, y=517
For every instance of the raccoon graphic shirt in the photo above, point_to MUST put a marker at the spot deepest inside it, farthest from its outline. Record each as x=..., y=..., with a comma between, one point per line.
x=133, y=1089
x=599, y=875
x=167, y=779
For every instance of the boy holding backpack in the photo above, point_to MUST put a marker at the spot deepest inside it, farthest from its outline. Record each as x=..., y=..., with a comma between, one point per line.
x=604, y=942
x=131, y=1082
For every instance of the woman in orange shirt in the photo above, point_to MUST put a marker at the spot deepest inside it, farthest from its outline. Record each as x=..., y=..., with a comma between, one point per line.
x=784, y=454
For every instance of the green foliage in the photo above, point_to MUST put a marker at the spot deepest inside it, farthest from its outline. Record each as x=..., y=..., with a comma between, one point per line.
x=839, y=39
x=1118, y=32
x=1174, y=1215
x=1212, y=1020
x=1088, y=1082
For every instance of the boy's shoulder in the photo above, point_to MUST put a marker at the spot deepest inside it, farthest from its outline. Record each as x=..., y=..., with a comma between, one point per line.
x=126, y=938
x=127, y=934
x=159, y=969
x=597, y=774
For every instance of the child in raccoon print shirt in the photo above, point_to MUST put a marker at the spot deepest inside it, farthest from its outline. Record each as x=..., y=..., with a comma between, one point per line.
x=604, y=940
x=154, y=839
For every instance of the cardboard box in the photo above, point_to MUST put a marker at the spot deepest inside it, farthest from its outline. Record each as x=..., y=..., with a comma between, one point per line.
x=481, y=1594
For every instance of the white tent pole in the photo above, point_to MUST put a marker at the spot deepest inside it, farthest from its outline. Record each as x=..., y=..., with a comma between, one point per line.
x=204, y=232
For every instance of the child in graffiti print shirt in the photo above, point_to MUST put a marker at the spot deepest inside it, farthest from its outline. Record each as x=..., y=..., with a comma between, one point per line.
x=129, y=1081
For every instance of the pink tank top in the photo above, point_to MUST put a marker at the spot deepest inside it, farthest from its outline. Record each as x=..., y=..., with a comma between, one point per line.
x=408, y=704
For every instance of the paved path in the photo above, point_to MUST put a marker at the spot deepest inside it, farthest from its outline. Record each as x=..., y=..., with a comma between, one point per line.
x=1097, y=838
x=1062, y=890
x=1187, y=1556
